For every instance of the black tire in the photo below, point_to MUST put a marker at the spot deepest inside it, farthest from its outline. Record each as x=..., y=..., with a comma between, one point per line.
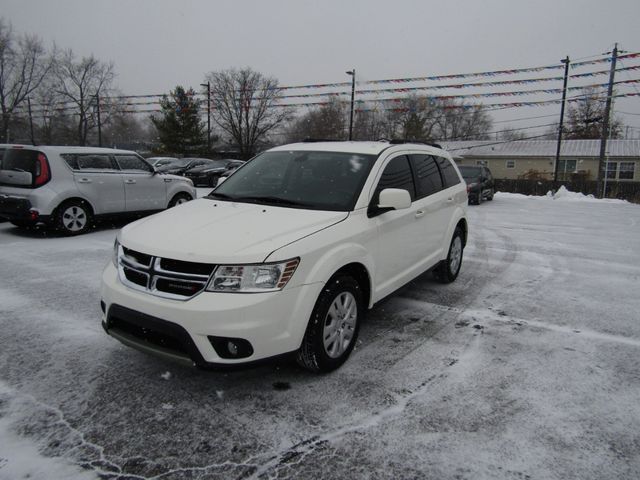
x=73, y=217
x=213, y=180
x=490, y=197
x=179, y=198
x=325, y=321
x=447, y=271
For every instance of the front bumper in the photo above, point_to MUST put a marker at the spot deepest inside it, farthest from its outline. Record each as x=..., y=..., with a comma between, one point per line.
x=272, y=324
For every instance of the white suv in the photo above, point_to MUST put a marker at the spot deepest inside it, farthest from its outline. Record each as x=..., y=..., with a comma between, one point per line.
x=67, y=187
x=287, y=254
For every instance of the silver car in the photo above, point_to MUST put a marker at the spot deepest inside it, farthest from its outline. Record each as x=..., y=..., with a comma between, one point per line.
x=68, y=187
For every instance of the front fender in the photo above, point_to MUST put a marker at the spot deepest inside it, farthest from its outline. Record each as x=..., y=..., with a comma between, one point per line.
x=320, y=266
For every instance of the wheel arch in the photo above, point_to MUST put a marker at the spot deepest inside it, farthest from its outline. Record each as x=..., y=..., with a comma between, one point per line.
x=75, y=198
x=360, y=274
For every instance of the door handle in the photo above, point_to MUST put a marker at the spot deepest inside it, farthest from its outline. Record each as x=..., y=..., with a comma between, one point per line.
x=84, y=180
x=420, y=213
x=167, y=180
x=129, y=181
x=450, y=199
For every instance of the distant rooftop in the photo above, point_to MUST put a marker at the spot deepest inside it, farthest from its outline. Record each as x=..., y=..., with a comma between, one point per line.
x=541, y=148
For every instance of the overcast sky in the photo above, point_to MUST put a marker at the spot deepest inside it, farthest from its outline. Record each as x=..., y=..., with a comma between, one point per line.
x=156, y=44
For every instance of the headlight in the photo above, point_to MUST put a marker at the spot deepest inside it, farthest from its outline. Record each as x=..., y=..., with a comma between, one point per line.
x=116, y=248
x=263, y=277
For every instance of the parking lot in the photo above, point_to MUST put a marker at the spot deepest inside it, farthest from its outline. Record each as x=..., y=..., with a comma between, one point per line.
x=528, y=366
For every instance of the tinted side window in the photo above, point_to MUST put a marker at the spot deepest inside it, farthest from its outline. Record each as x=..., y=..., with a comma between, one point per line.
x=86, y=161
x=132, y=162
x=397, y=174
x=449, y=175
x=428, y=179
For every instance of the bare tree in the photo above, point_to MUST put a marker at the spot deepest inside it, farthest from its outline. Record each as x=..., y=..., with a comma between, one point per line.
x=24, y=63
x=325, y=122
x=81, y=82
x=245, y=106
x=586, y=117
x=369, y=125
x=510, y=134
x=459, y=121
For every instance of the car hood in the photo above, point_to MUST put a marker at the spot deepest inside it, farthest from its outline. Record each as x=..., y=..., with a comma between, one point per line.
x=214, y=231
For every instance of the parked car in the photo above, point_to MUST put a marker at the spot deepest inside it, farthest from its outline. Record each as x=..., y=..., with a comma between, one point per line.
x=68, y=187
x=209, y=173
x=181, y=165
x=232, y=166
x=287, y=254
x=480, y=185
x=160, y=161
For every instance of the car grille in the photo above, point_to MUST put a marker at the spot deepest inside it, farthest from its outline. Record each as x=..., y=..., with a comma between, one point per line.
x=163, y=277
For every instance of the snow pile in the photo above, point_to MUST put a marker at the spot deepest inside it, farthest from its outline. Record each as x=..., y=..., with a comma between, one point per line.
x=563, y=195
x=569, y=196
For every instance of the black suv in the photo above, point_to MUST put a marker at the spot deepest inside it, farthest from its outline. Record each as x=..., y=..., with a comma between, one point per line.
x=479, y=180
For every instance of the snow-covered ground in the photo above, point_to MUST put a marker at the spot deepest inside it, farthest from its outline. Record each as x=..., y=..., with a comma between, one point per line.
x=528, y=366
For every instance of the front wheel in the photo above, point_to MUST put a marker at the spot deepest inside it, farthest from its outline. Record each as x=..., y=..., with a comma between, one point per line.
x=447, y=271
x=180, y=198
x=333, y=327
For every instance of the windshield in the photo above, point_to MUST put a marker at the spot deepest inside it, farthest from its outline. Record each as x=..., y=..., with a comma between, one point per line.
x=302, y=179
x=469, y=173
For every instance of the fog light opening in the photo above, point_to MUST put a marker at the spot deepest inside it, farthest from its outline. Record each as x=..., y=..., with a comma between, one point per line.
x=231, y=348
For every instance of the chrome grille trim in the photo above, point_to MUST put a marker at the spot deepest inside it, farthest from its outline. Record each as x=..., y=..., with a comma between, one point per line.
x=154, y=272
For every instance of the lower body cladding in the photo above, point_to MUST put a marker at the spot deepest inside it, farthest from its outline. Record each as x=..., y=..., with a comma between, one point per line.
x=211, y=329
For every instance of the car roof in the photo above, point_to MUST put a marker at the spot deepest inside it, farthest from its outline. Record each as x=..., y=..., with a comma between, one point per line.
x=366, y=148
x=66, y=149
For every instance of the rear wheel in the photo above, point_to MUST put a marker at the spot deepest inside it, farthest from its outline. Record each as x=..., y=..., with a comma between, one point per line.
x=447, y=271
x=333, y=327
x=73, y=217
x=490, y=197
x=180, y=198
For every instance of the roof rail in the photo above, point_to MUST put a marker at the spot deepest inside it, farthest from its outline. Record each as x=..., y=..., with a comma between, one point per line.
x=315, y=140
x=399, y=141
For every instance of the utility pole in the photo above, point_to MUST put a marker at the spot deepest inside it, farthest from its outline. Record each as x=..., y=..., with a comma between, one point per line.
x=99, y=123
x=605, y=125
x=353, y=94
x=33, y=141
x=564, y=98
x=208, y=87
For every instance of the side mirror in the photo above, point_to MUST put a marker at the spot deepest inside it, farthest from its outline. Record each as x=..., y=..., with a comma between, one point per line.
x=220, y=180
x=394, y=199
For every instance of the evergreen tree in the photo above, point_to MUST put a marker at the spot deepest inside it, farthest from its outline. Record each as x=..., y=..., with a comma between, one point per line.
x=180, y=129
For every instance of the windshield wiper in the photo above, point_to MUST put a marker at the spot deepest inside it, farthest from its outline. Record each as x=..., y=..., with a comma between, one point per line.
x=222, y=196
x=273, y=200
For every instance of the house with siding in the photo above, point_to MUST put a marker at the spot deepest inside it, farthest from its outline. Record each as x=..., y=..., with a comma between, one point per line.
x=535, y=159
